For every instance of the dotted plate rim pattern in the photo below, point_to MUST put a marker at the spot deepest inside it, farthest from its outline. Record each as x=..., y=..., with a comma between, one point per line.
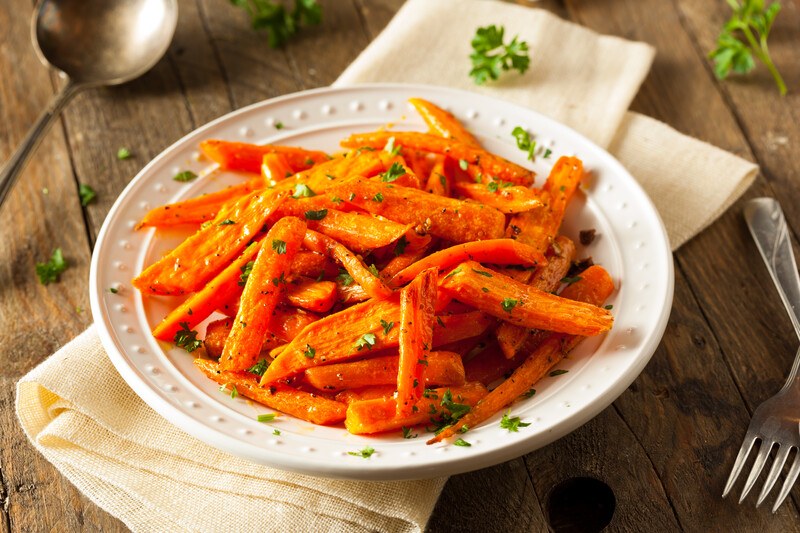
x=632, y=244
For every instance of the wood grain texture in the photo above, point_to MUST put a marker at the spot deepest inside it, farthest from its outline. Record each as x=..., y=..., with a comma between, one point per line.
x=666, y=445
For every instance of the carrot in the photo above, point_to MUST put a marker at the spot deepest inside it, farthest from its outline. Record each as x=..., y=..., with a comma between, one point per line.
x=443, y=123
x=444, y=368
x=416, y=338
x=317, y=296
x=201, y=304
x=593, y=289
x=287, y=322
x=489, y=164
x=456, y=327
x=521, y=304
x=380, y=414
x=547, y=279
x=450, y=219
x=508, y=198
x=365, y=393
x=217, y=334
x=311, y=264
x=264, y=289
x=491, y=364
x=498, y=251
x=248, y=157
x=207, y=252
x=539, y=226
x=370, y=281
x=275, y=168
x=438, y=183
x=303, y=405
x=404, y=256
x=197, y=210
x=420, y=163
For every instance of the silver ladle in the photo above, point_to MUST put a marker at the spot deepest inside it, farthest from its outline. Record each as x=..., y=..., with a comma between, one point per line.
x=93, y=43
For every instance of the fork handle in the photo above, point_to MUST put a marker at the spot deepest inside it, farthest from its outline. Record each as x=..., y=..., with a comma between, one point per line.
x=769, y=229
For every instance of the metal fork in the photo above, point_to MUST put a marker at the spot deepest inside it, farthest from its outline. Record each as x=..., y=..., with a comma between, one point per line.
x=776, y=422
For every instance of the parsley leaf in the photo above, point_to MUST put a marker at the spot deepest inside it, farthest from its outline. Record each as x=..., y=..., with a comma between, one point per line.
x=743, y=36
x=310, y=352
x=86, y=194
x=508, y=304
x=279, y=23
x=530, y=393
x=387, y=326
x=246, y=269
x=316, y=215
x=407, y=433
x=482, y=273
x=374, y=270
x=512, y=424
x=366, y=453
x=123, y=153
x=266, y=417
x=276, y=432
x=50, y=271
x=345, y=278
x=279, y=246
x=259, y=368
x=558, y=372
x=391, y=148
x=186, y=175
x=227, y=222
x=400, y=247
x=187, y=338
x=367, y=341
x=570, y=281
x=524, y=142
x=394, y=172
x=378, y=197
x=461, y=442
x=490, y=56
x=301, y=190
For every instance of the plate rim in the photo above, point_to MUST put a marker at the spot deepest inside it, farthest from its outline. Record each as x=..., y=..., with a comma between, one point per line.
x=344, y=470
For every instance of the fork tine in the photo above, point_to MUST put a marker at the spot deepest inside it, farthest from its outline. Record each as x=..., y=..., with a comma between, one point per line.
x=758, y=466
x=790, y=479
x=775, y=471
x=744, y=451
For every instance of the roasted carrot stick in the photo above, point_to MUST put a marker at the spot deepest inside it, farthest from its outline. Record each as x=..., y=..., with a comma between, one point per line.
x=420, y=163
x=491, y=364
x=365, y=393
x=593, y=289
x=380, y=414
x=416, y=338
x=205, y=254
x=217, y=334
x=197, y=210
x=248, y=157
x=547, y=278
x=264, y=289
x=303, y=405
x=497, y=251
x=507, y=199
x=438, y=182
x=275, y=168
x=311, y=264
x=444, y=368
x=370, y=281
x=521, y=304
x=454, y=220
x=443, y=123
x=489, y=164
x=317, y=296
x=201, y=304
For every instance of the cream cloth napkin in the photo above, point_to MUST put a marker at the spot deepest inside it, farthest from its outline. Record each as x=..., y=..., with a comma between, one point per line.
x=83, y=418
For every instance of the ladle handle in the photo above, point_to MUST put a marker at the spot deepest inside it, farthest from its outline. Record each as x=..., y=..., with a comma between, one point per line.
x=12, y=169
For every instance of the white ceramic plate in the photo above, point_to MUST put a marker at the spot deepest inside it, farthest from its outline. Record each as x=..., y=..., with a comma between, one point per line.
x=631, y=244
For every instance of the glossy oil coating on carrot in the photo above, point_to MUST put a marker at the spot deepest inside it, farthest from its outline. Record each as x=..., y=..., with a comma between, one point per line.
x=442, y=122
x=416, y=338
x=203, y=255
x=317, y=296
x=438, y=182
x=523, y=305
x=249, y=157
x=365, y=393
x=264, y=289
x=450, y=219
x=489, y=164
x=444, y=368
x=507, y=199
x=201, y=304
x=380, y=414
x=304, y=405
x=497, y=251
x=274, y=168
x=594, y=287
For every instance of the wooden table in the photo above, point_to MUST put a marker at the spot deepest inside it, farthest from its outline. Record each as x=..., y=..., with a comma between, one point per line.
x=664, y=448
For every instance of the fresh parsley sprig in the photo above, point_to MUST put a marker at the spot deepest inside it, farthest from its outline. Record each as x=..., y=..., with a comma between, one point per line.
x=279, y=23
x=491, y=56
x=50, y=271
x=744, y=36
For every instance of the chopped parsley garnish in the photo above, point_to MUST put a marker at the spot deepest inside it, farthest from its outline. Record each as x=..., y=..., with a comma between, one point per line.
x=279, y=246
x=310, y=352
x=374, y=270
x=457, y=410
x=279, y=23
x=186, y=175
x=453, y=273
x=440, y=321
x=259, y=368
x=484, y=289
x=246, y=269
x=387, y=326
x=331, y=177
x=463, y=164
x=344, y=277
x=482, y=273
x=407, y=433
x=367, y=341
x=461, y=442
x=508, y=304
x=301, y=190
x=394, y=172
x=442, y=180
x=547, y=152
x=490, y=56
x=512, y=424
x=558, y=372
x=378, y=197
x=352, y=196
x=316, y=215
x=279, y=125
x=86, y=194
x=400, y=247
x=123, y=153
x=227, y=222
x=391, y=148
x=266, y=417
x=187, y=338
x=524, y=142
x=366, y=453
x=281, y=279
x=276, y=432
x=336, y=200
x=570, y=281
x=309, y=162
x=530, y=393
x=430, y=393
x=608, y=307
x=49, y=272
x=113, y=290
